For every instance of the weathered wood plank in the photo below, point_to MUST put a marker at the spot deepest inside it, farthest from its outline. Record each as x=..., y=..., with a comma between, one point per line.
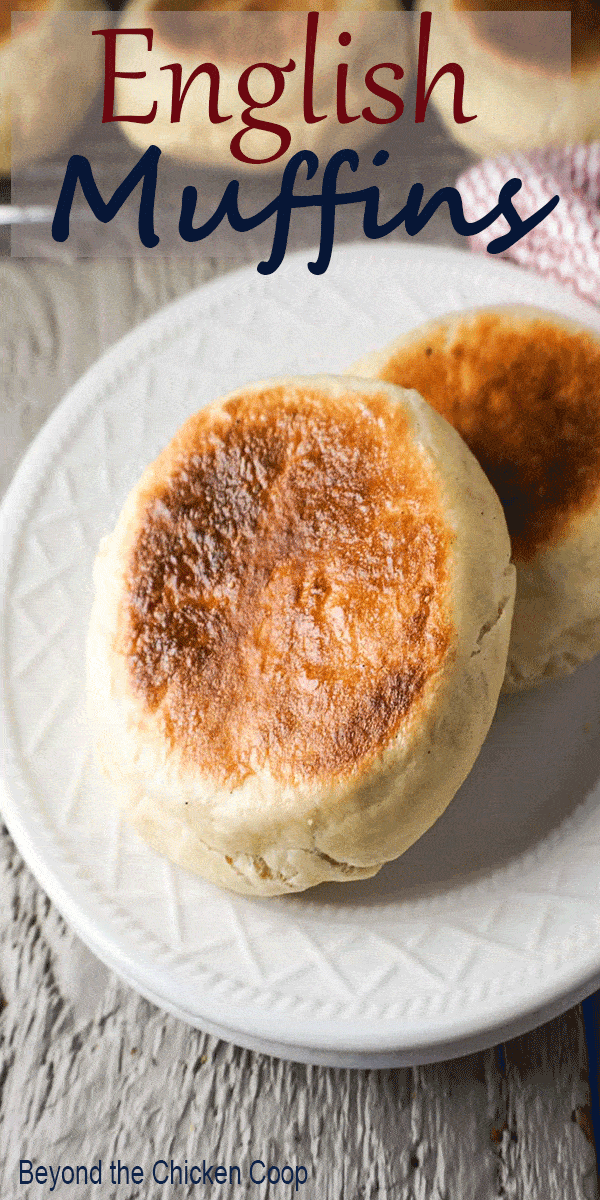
x=91, y=1071
x=547, y=1113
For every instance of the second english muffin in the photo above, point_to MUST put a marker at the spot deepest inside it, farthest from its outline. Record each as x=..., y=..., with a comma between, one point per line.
x=522, y=386
x=299, y=633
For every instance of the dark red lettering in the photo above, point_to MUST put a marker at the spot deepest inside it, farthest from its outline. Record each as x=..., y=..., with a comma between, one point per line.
x=110, y=74
x=422, y=99
x=343, y=116
x=377, y=90
x=251, y=122
x=178, y=96
x=312, y=25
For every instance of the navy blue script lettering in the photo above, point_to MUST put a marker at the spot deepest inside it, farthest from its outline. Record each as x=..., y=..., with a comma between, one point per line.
x=412, y=215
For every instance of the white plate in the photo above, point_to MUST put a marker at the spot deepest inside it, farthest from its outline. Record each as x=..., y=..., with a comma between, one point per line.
x=490, y=923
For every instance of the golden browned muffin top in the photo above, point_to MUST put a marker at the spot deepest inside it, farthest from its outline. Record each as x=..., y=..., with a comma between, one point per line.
x=524, y=393
x=289, y=585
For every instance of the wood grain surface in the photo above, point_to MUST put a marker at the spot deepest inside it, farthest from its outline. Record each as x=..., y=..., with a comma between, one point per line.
x=91, y=1071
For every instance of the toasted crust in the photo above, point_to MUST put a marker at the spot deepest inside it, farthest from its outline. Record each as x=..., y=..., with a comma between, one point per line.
x=517, y=386
x=295, y=595
x=298, y=630
x=522, y=387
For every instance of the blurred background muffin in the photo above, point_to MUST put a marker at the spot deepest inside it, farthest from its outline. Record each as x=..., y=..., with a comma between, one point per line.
x=50, y=71
x=191, y=34
x=525, y=88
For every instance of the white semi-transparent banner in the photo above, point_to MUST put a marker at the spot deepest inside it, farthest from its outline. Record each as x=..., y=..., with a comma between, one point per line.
x=245, y=134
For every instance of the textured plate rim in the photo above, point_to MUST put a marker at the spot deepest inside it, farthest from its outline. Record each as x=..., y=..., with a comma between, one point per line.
x=37, y=841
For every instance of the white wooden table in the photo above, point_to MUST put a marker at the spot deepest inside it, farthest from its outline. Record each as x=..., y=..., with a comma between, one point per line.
x=89, y=1070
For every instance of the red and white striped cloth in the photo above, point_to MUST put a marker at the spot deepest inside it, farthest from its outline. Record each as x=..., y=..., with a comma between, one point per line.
x=566, y=244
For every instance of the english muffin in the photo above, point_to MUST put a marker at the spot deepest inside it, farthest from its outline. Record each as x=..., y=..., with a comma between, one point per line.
x=522, y=387
x=50, y=70
x=235, y=35
x=520, y=81
x=299, y=633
